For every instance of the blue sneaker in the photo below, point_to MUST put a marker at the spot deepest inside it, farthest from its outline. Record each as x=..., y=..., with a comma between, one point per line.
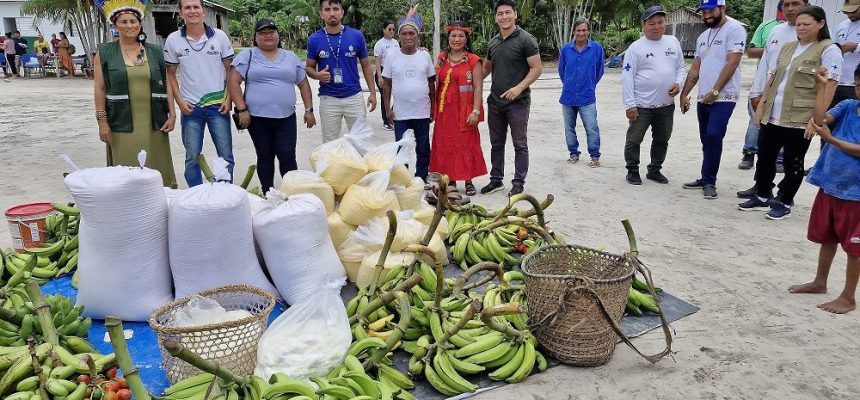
x=754, y=204
x=778, y=211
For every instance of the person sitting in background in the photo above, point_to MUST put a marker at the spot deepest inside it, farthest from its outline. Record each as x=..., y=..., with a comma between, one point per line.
x=267, y=108
x=54, y=43
x=64, y=49
x=43, y=50
x=835, y=217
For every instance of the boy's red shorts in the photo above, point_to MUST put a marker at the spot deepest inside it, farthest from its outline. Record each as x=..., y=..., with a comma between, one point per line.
x=834, y=220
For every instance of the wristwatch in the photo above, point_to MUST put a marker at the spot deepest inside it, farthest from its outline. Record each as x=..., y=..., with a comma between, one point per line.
x=715, y=93
x=239, y=110
x=309, y=110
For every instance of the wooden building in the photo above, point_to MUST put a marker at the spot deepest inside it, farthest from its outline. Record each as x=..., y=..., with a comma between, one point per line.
x=686, y=25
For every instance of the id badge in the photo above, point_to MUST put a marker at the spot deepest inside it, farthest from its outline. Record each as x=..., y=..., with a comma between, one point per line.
x=338, y=75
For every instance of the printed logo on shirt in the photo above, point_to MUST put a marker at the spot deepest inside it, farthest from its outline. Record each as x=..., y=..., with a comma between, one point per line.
x=718, y=42
x=627, y=67
x=469, y=76
x=350, y=52
x=212, y=51
x=740, y=44
x=187, y=52
x=855, y=240
x=323, y=54
x=670, y=52
x=649, y=55
x=411, y=73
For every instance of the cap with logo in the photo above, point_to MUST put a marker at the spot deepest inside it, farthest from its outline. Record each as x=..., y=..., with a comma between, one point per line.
x=851, y=6
x=265, y=23
x=652, y=11
x=710, y=4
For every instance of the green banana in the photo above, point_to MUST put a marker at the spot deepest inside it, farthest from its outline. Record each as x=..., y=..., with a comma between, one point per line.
x=505, y=371
x=525, y=369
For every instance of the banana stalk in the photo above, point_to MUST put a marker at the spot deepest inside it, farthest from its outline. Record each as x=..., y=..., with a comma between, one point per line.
x=37, y=368
x=421, y=250
x=248, y=176
x=177, y=350
x=405, y=319
x=43, y=313
x=385, y=298
x=526, y=223
x=543, y=206
x=460, y=284
x=123, y=358
x=536, y=207
x=386, y=247
x=441, y=205
x=204, y=167
x=503, y=327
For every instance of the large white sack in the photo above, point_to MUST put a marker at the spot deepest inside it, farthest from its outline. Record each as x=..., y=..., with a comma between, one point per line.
x=123, y=266
x=293, y=236
x=212, y=240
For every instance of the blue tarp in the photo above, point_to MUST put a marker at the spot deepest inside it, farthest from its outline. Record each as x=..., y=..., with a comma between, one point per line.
x=143, y=345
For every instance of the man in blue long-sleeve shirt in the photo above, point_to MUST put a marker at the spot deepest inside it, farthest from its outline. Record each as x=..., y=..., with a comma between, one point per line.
x=580, y=67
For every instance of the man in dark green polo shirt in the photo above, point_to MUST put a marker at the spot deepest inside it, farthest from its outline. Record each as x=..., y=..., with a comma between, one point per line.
x=513, y=59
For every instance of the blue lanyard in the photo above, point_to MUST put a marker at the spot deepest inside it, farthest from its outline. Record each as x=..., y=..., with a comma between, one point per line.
x=335, y=54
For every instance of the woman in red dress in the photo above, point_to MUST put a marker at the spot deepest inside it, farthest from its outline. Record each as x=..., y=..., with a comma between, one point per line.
x=459, y=81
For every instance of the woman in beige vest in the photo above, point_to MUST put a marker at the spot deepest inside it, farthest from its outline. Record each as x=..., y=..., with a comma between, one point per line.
x=786, y=108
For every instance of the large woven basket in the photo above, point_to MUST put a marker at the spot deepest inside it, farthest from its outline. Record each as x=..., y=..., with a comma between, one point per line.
x=572, y=292
x=231, y=344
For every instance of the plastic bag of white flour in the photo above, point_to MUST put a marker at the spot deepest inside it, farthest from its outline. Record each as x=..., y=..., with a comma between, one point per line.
x=308, y=339
x=340, y=161
x=123, y=265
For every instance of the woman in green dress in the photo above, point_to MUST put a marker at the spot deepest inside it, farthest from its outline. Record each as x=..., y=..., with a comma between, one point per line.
x=132, y=98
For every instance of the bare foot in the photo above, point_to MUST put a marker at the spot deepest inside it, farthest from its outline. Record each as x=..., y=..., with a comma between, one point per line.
x=839, y=306
x=810, y=287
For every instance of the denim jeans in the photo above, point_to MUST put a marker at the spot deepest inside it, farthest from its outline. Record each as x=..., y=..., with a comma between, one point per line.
x=592, y=131
x=192, y=138
x=751, y=137
x=273, y=137
x=713, y=123
x=421, y=128
x=499, y=118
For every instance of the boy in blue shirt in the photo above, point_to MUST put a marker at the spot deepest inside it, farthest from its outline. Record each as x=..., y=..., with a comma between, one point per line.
x=835, y=217
x=332, y=54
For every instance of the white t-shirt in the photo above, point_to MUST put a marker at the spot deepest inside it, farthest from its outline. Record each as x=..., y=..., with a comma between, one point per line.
x=713, y=47
x=849, y=32
x=779, y=35
x=382, y=47
x=409, y=75
x=831, y=58
x=202, y=77
x=651, y=67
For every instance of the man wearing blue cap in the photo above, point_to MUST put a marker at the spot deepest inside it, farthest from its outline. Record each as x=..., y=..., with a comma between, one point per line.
x=653, y=73
x=717, y=68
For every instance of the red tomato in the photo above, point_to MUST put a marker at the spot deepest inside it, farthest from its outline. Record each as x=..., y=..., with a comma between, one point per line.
x=111, y=373
x=85, y=379
x=111, y=386
x=124, y=394
x=122, y=383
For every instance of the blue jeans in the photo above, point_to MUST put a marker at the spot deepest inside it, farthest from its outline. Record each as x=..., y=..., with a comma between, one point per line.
x=421, y=128
x=192, y=138
x=713, y=123
x=592, y=131
x=751, y=138
x=273, y=137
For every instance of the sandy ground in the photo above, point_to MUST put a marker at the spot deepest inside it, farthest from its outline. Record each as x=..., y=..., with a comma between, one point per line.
x=750, y=340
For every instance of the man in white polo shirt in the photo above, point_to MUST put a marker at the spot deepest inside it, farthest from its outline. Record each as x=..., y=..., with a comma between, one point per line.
x=653, y=73
x=717, y=68
x=203, y=55
x=848, y=36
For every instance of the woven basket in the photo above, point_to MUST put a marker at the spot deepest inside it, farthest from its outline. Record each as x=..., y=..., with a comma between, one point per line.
x=232, y=344
x=572, y=292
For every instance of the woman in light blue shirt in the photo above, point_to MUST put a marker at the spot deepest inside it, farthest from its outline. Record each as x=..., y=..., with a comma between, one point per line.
x=267, y=107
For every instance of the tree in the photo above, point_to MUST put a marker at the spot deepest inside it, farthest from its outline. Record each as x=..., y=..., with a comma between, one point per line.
x=86, y=18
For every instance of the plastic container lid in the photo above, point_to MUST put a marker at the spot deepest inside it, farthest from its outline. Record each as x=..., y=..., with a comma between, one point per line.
x=29, y=210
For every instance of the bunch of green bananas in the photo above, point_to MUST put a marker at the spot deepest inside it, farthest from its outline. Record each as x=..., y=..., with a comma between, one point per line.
x=639, y=300
x=56, y=377
x=58, y=256
x=496, y=245
x=20, y=319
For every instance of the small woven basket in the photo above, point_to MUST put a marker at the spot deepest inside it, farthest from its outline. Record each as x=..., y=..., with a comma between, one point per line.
x=572, y=291
x=232, y=344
